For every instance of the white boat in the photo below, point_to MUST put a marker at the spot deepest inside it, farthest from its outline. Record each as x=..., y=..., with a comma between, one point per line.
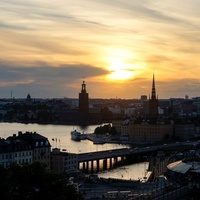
x=75, y=135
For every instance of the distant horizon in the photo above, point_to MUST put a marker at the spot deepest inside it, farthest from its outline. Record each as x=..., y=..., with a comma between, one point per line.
x=76, y=98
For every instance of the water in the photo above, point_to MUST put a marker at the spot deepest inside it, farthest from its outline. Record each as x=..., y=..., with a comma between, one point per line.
x=135, y=171
x=62, y=140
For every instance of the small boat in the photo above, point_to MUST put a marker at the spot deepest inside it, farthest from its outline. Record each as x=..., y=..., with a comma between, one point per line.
x=75, y=135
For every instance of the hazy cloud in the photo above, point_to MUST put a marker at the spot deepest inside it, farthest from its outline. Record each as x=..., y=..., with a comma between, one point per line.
x=43, y=43
x=52, y=73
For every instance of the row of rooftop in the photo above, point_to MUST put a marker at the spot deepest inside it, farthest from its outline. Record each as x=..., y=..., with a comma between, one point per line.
x=32, y=147
x=65, y=110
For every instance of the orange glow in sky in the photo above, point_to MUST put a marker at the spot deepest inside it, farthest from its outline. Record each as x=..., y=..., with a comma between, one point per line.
x=115, y=45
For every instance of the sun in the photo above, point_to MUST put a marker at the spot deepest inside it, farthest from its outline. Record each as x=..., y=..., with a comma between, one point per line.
x=118, y=64
x=119, y=70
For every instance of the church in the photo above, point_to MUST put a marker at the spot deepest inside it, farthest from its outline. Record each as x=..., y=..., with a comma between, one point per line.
x=149, y=130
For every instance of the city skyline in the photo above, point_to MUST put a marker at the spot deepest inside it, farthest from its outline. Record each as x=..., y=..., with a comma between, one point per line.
x=49, y=48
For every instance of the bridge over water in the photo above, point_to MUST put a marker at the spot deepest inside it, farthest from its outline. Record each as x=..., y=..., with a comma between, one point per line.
x=107, y=159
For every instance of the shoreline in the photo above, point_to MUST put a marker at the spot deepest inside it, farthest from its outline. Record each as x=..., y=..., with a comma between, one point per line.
x=103, y=139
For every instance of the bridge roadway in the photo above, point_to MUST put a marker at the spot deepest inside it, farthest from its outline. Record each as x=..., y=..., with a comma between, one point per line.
x=98, y=155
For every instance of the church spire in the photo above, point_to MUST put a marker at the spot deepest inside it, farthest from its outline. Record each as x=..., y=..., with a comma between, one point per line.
x=153, y=102
x=153, y=92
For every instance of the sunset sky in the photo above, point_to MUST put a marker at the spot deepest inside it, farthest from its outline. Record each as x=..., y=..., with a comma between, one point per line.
x=47, y=48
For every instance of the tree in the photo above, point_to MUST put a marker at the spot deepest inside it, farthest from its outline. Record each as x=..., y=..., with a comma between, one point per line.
x=33, y=181
x=105, y=129
x=113, y=131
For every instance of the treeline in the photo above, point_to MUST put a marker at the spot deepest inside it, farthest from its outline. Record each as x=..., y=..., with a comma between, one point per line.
x=33, y=181
x=105, y=129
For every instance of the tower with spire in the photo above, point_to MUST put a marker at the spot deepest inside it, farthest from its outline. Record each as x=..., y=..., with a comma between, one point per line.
x=153, y=102
x=83, y=100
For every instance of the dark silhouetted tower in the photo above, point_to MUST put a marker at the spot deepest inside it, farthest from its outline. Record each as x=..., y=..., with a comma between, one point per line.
x=153, y=102
x=83, y=100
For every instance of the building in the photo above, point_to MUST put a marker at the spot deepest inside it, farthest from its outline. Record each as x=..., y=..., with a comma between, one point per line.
x=153, y=102
x=6, y=153
x=143, y=97
x=144, y=130
x=21, y=152
x=25, y=148
x=143, y=133
x=87, y=115
x=40, y=146
x=185, y=131
x=83, y=100
x=149, y=133
x=63, y=161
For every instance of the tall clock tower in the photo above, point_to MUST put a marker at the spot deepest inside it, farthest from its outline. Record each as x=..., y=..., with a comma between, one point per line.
x=83, y=100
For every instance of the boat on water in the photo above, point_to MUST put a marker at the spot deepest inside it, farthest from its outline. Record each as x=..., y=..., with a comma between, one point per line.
x=75, y=135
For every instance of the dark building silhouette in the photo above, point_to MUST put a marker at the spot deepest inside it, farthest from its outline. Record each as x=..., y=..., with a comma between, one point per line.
x=83, y=100
x=83, y=115
x=153, y=102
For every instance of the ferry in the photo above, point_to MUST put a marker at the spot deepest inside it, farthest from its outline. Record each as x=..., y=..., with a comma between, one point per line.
x=75, y=135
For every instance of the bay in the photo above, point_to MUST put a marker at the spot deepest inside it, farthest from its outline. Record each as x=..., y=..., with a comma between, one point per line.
x=59, y=136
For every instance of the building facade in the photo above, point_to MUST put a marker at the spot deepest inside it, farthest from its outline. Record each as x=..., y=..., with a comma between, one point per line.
x=25, y=148
x=144, y=132
x=63, y=161
x=149, y=133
